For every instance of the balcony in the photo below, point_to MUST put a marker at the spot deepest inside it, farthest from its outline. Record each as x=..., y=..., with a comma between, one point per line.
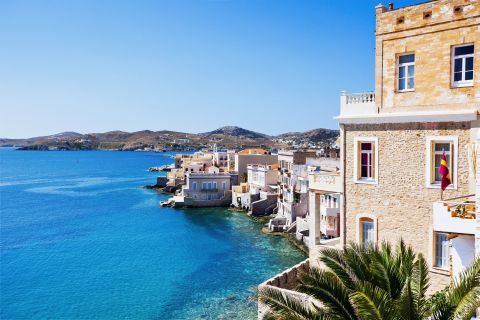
x=454, y=216
x=357, y=104
x=325, y=181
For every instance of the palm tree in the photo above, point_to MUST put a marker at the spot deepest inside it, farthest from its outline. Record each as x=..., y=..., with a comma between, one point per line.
x=375, y=283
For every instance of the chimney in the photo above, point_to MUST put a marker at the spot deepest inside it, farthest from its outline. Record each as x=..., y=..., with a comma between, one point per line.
x=390, y=6
x=380, y=8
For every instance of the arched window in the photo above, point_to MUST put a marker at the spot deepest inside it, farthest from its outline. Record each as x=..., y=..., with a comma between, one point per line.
x=366, y=229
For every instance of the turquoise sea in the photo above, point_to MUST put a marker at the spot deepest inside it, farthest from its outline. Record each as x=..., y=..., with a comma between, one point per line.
x=81, y=239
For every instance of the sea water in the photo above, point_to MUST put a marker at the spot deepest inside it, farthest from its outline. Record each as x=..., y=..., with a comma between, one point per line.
x=81, y=239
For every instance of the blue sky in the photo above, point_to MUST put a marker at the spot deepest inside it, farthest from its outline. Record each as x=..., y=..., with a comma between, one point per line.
x=189, y=65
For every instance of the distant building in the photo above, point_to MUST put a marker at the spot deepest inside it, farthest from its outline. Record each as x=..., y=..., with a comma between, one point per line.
x=252, y=156
x=259, y=194
x=206, y=189
x=182, y=140
x=293, y=188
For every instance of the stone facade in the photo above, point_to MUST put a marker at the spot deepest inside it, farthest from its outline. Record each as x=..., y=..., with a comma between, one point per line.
x=431, y=40
x=400, y=202
x=399, y=199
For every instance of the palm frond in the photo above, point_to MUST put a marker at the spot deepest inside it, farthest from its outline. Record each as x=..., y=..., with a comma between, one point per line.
x=371, y=302
x=465, y=292
x=419, y=286
x=285, y=306
x=334, y=260
x=326, y=287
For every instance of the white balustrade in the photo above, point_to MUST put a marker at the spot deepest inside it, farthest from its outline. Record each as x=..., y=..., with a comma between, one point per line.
x=357, y=104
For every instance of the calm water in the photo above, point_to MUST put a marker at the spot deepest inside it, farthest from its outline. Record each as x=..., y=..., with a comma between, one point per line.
x=80, y=239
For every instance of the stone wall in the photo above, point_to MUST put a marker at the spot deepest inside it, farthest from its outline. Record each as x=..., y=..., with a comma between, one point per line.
x=264, y=206
x=225, y=201
x=286, y=282
x=401, y=202
x=431, y=40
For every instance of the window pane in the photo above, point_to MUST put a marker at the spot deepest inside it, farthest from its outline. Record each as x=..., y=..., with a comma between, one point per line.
x=401, y=84
x=464, y=50
x=457, y=76
x=401, y=72
x=366, y=146
x=442, y=146
x=441, y=250
x=457, y=66
x=364, y=172
x=411, y=71
x=367, y=232
x=438, y=159
x=469, y=75
x=364, y=159
x=410, y=83
x=469, y=64
x=406, y=58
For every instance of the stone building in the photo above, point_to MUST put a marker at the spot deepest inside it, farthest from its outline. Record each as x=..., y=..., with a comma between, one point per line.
x=426, y=102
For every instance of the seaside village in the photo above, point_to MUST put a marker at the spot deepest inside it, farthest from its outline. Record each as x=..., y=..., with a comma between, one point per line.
x=384, y=179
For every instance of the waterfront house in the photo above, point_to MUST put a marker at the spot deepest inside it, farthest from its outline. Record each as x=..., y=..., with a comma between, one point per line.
x=211, y=188
x=293, y=191
x=196, y=162
x=259, y=194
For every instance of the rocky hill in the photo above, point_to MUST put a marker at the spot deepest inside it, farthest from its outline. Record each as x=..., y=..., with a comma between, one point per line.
x=236, y=132
x=312, y=138
x=225, y=137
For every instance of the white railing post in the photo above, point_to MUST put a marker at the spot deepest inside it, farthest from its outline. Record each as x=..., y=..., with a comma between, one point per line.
x=343, y=97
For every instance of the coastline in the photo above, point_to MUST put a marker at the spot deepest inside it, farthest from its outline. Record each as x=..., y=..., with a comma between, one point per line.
x=119, y=254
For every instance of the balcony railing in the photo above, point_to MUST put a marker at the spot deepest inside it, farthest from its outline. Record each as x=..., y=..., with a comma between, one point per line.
x=365, y=97
x=455, y=216
x=355, y=104
x=325, y=181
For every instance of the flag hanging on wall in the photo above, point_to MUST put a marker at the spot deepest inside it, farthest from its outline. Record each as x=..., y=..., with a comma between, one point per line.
x=444, y=172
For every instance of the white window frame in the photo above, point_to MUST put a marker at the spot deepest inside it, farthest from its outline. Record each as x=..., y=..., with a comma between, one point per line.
x=356, y=160
x=447, y=258
x=406, y=65
x=429, y=160
x=462, y=83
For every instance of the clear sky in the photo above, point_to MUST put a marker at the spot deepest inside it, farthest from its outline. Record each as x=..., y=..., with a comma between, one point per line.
x=189, y=65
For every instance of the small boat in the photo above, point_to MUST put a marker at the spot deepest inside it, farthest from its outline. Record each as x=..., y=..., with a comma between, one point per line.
x=166, y=203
